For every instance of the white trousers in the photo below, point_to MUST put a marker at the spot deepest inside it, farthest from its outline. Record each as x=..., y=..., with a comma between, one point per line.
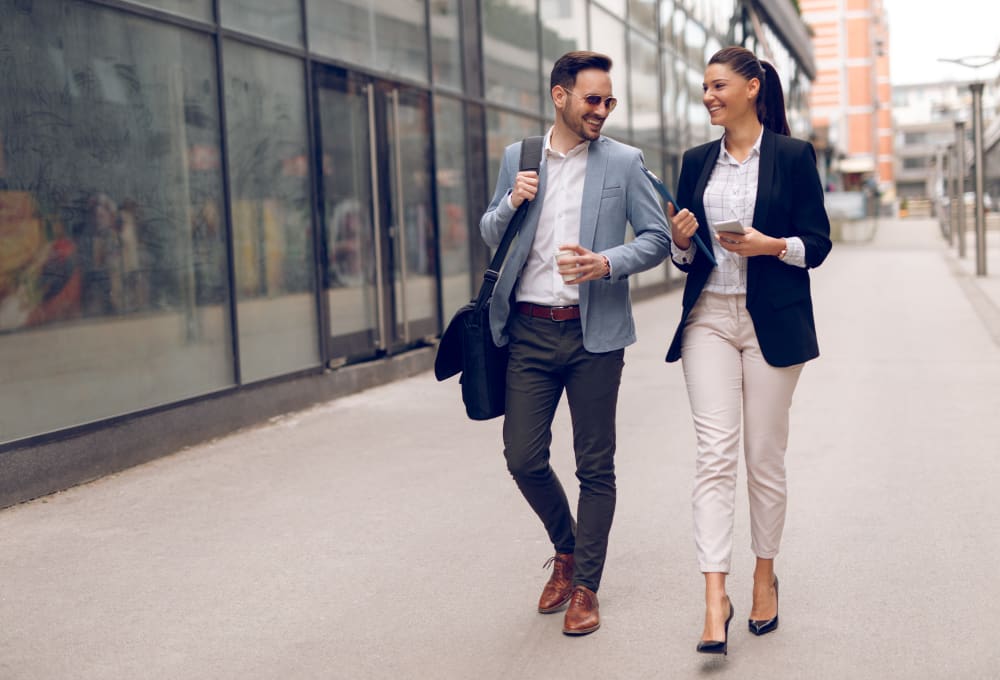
x=726, y=372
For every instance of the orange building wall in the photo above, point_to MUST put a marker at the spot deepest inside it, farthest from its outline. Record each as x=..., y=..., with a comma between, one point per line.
x=850, y=75
x=859, y=82
x=858, y=39
x=885, y=147
x=859, y=127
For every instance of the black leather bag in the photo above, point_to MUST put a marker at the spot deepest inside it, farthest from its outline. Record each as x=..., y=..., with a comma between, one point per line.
x=467, y=345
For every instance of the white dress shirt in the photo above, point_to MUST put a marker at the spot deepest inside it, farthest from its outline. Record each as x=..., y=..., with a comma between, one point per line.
x=731, y=194
x=558, y=224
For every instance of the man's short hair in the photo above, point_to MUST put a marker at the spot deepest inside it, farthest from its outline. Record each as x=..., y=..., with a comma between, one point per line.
x=568, y=65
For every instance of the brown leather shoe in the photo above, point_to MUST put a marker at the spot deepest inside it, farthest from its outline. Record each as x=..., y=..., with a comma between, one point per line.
x=559, y=588
x=583, y=616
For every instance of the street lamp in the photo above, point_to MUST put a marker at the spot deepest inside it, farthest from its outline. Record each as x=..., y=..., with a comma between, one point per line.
x=976, y=88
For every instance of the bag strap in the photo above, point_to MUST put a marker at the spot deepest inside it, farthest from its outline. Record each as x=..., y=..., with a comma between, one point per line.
x=531, y=159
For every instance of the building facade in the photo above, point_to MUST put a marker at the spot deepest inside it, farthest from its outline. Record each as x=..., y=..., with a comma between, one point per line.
x=851, y=97
x=925, y=117
x=212, y=211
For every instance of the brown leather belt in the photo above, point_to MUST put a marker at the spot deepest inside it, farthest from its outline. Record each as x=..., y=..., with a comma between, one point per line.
x=551, y=313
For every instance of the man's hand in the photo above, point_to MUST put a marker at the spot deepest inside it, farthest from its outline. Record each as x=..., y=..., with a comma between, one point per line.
x=525, y=187
x=585, y=265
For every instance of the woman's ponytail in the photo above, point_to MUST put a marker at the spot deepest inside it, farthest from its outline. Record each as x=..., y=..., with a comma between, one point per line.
x=771, y=102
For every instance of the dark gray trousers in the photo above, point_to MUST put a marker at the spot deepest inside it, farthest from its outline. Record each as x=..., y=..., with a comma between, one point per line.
x=547, y=357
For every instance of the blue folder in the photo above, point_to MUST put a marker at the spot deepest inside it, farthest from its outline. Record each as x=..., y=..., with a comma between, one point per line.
x=665, y=193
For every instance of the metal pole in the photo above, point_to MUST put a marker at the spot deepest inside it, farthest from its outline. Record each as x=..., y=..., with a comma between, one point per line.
x=977, y=141
x=947, y=173
x=958, y=198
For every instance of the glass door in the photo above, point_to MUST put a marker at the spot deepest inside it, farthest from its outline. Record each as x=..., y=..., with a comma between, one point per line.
x=381, y=271
x=410, y=205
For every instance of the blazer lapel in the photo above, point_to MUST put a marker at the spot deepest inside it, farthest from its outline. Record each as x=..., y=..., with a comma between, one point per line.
x=707, y=165
x=593, y=185
x=765, y=180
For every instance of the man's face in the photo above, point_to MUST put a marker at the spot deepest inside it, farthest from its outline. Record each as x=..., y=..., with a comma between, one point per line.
x=580, y=118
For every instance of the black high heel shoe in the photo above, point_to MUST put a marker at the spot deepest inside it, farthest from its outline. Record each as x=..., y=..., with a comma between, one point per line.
x=764, y=627
x=716, y=646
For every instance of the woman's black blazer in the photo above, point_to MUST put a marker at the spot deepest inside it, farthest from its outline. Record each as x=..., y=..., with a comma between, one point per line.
x=789, y=203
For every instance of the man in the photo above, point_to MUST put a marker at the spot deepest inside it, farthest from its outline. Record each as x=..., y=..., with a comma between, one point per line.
x=567, y=324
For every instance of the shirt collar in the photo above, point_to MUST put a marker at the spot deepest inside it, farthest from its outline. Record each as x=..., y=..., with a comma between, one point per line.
x=754, y=151
x=549, y=151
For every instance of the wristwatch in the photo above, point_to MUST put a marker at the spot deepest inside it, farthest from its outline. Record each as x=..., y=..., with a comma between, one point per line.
x=784, y=251
x=607, y=267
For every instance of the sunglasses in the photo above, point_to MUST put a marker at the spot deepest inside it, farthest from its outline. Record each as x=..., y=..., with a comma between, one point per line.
x=596, y=100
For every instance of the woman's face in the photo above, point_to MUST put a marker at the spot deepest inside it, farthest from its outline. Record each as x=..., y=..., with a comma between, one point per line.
x=728, y=96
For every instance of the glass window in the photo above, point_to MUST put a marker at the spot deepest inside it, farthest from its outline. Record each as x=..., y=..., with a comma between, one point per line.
x=502, y=130
x=698, y=119
x=694, y=39
x=721, y=12
x=678, y=23
x=510, y=54
x=457, y=226
x=672, y=169
x=645, y=89
x=683, y=119
x=199, y=9
x=666, y=15
x=387, y=35
x=446, y=44
x=712, y=45
x=112, y=250
x=279, y=20
x=272, y=234
x=671, y=111
x=642, y=14
x=564, y=29
x=616, y=7
x=607, y=35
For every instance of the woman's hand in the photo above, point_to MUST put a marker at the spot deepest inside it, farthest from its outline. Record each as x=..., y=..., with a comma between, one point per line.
x=751, y=243
x=683, y=225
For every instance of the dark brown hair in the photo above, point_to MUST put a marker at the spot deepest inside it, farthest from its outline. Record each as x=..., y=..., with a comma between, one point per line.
x=568, y=65
x=770, y=100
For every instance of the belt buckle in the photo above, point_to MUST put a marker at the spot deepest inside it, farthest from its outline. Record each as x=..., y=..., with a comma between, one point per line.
x=553, y=310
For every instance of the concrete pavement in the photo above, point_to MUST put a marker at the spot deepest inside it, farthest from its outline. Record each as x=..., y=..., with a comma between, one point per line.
x=379, y=535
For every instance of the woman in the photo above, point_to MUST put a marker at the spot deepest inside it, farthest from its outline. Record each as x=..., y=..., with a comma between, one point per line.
x=747, y=324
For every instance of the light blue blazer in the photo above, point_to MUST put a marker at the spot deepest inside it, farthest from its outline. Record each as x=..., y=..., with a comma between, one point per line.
x=615, y=192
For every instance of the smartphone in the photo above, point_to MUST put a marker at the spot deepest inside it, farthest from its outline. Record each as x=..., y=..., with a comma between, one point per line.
x=731, y=226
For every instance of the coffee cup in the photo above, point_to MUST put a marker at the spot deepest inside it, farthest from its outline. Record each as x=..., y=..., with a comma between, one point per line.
x=562, y=255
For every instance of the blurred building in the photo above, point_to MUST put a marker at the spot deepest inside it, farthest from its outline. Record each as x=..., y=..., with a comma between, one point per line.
x=214, y=211
x=991, y=151
x=925, y=115
x=851, y=96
